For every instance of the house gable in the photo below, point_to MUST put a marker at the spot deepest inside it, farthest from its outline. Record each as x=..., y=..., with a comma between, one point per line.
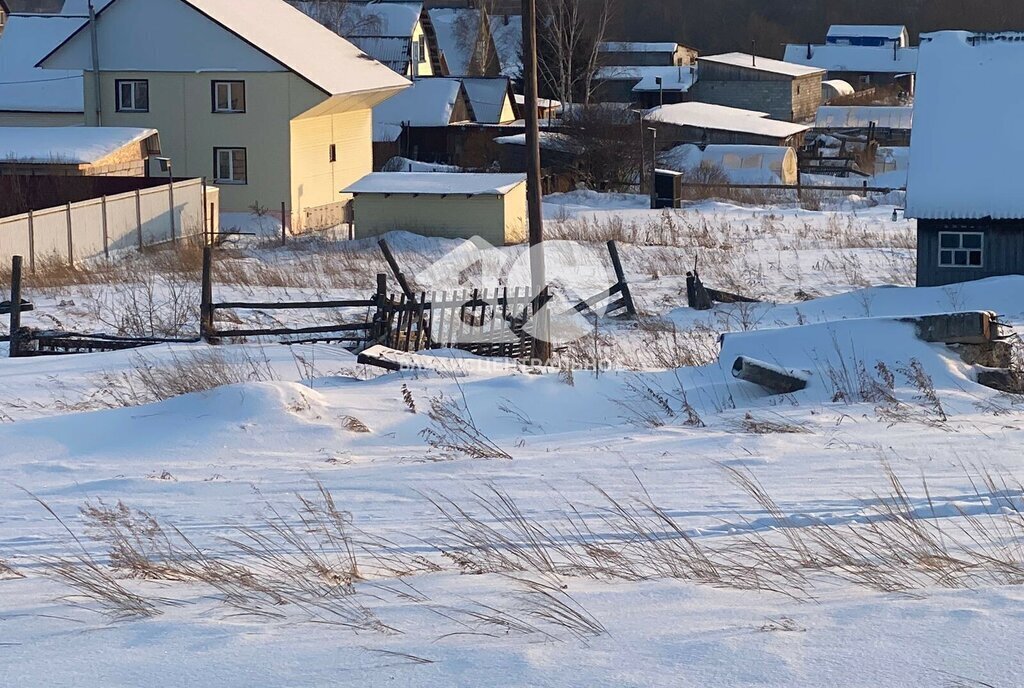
x=159, y=36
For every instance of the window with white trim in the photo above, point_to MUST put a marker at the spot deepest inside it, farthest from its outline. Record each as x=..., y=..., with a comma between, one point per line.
x=229, y=166
x=229, y=96
x=961, y=249
x=132, y=95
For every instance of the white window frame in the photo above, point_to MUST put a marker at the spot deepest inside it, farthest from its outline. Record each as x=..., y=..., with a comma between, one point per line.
x=231, y=179
x=133, y=85
x=229, y=85
x=961, y=249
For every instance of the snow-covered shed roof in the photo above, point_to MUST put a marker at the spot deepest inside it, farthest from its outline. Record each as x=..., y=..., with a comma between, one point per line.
x=289, y=37
x=966, y=151
x=549, y=140
x=488, y=96
x=436, y=184
x=761, y=64
x=458, y=32
x=707, y=116
x=637, y=47
x=891, y=32
x=507, y=34
x=393, y=51
x=854, y=58
x=673, y=78
x=861, y=116
x=66, y=145
x=27, y=88
x=427, y=103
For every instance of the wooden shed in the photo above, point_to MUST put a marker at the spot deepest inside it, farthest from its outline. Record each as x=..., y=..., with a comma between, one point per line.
x=964, y=186
x=704, y=124
x=784, y=90
x=442, y=204
x=77, y=151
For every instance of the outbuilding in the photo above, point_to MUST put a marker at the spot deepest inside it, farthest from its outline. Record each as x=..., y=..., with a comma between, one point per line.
x=77, y=151
x=964, y=183
x=786, y=91
x=442, y=204
x=704, y=124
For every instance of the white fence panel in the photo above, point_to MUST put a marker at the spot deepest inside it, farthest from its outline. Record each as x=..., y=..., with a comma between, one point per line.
x=51, y=230
x=87, y=229
x=156, y=222
x=122, y=222
x=14, y=239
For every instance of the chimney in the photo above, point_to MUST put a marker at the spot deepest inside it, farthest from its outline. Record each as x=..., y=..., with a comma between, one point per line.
x=810, y=53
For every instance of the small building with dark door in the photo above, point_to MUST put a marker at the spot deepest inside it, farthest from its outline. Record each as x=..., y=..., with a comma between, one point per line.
x=964, y=186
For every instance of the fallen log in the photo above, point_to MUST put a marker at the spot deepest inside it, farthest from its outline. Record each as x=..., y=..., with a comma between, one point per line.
x=773, y=378
x=973, y=327
x=1002, y=380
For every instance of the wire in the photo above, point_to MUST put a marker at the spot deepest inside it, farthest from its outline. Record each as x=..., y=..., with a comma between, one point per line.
x=38, y=81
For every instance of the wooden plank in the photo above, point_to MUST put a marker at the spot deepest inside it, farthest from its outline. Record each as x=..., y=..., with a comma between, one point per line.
x=280, y=331
x=293, y=305
x=620, y=275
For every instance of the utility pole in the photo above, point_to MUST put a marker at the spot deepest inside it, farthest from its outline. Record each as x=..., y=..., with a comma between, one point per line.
x=654, y=167
x=97, y=90
x=541, y=318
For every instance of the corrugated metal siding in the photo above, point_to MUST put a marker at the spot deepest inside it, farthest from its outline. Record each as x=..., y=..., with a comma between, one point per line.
x=1003, y=251
x=498, y=220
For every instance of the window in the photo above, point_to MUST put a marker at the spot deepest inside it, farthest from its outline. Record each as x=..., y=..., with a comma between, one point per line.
x=332, y=153
x=132, y=95
x=229, y=96
x=422, y=43
x=961, y=249
x=229, y=166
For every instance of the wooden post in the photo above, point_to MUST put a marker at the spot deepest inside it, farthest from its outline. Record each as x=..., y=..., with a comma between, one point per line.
x=15, y=307
x=106, y=234
x=170, y=203
x=31, y=242
x=284, y=225
x=379, y=298
x=799, y=188
x=206, y=299
x=393, y=264
x=71, y=241
x=213, y=225
x=138, y=216
x=207, y=232
x=654, y=168
x=620, y=275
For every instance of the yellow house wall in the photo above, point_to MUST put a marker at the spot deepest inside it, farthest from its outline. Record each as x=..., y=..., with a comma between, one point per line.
x=426, y=68
x=316, y=181
x=497, y=220
x=180, y=108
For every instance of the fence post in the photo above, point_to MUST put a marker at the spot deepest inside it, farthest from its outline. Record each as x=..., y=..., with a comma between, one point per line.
x=620, y=275
x=138, y=216
x=170, y=203
x=71, y=241
x=380, y=298
x=32, y=242
x=207, y=233
x=106, y=234
x=284, y=226
x=206, y=299
x=799, y=189
x=213, y=225
x=15, y=307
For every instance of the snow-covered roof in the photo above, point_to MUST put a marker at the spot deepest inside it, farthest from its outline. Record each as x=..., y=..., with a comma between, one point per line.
x=393, y=51
x=673, y=78
x=707, y=116
x=457, y=31
x=27, y=88
x=861, y=116
x=541, y=102
x=887, y=31
x=65, y=8
x=839, y=87
x=855, y=58
x=637, y=47
x=427, y=103
x=437, y=183
x=383, y=18
x=761, y=64
x=550, y=140
x=297, y=42
x=966, y=151
x=488, y=96
x=507, y=34
x=66, y=145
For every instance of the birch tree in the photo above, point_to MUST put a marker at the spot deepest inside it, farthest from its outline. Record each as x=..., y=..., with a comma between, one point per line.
x=569, y=36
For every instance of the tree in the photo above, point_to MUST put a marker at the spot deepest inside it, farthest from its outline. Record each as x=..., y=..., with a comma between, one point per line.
x=569, y=36
x=341, y=16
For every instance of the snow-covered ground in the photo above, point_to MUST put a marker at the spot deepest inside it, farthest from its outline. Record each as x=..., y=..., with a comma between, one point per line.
x=494, y=524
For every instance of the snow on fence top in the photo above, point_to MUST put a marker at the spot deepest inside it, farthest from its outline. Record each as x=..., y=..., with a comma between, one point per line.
x=761, y=64
x=855, y=58
x=967, y=146
x=289, y=37
x=27, y=88
x=892, y=32
x=707, y=116
x=66, y=145
x=861, y=116
x=637, y=47
x=672, y=78
x=436, y=184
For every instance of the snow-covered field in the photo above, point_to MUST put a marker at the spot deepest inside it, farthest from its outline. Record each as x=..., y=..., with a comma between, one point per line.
x=321, y=523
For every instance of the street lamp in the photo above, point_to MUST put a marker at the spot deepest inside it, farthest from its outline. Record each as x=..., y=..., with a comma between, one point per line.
x=165, y=166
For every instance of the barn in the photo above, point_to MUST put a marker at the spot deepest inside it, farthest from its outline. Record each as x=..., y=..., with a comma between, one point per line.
x=705, y=124
x=442, y=204
x=785, y=91
x=964, y=183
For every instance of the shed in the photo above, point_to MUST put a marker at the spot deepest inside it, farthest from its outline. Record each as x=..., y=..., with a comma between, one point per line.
x=784, y=90
x=964, y=183
x=442, y=204
x=835, y=88
x=891, y=125
x=645, y=54
x=868, y=35
x=77, y=151
x=648, y=86
x=741, y=164
x=862, y=66
x=705, y=124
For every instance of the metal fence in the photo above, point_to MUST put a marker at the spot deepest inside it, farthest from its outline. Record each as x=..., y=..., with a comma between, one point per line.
x=99, y=226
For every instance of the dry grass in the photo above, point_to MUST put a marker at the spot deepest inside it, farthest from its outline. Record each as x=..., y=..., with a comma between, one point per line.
x=453, y=429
